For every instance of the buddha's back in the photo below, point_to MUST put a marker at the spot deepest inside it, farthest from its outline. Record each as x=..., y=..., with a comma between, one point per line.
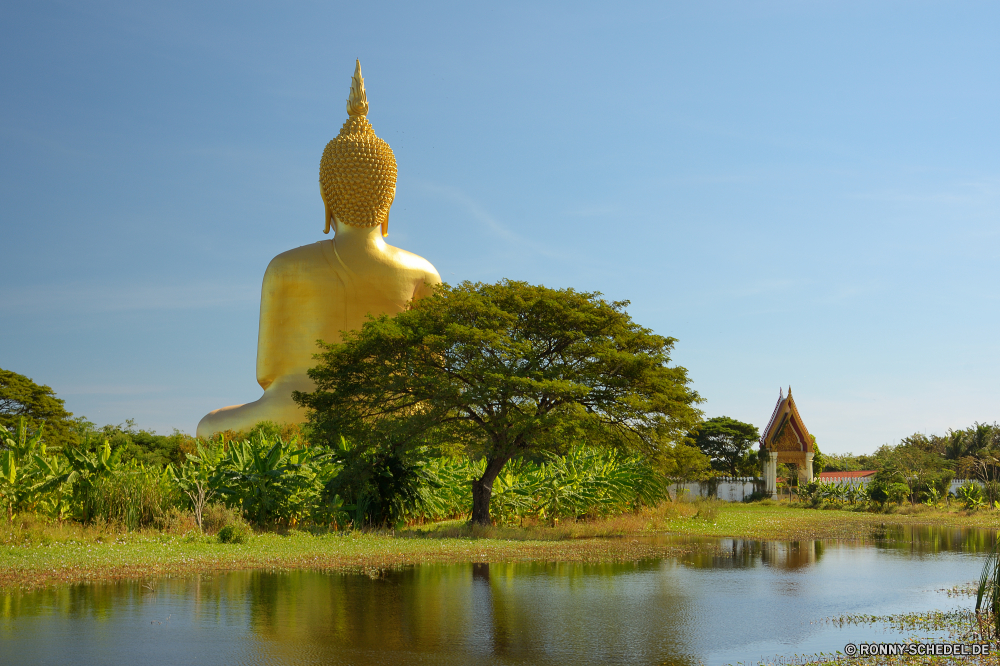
x=316, y=291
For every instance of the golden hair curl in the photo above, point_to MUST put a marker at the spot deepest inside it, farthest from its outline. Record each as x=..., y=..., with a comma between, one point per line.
x=357, y=173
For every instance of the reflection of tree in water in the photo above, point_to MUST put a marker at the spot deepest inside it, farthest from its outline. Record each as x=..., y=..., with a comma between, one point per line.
x=931, y=539
x=530, y=612
x=745, y=554
x=97, y=601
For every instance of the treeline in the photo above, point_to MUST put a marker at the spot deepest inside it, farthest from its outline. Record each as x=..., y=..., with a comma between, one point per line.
x=920, y=468
x=33, y=406
x=972, y=452
x=270, y=477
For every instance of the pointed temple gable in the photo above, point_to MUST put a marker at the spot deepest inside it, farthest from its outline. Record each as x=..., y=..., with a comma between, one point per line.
x=786, y=440
x=786, y=431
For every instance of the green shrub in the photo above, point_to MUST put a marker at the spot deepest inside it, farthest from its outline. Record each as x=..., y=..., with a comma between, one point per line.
x=217, y=516
x=234, y=533
x=175, y=521
x=971, y=495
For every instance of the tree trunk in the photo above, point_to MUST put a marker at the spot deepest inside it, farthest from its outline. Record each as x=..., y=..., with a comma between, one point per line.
x=482, y=490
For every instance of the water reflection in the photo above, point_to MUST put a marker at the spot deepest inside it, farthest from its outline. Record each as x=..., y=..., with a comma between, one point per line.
x=704, y=606
x=742, y=554
x=499, y=613
x=931, y=539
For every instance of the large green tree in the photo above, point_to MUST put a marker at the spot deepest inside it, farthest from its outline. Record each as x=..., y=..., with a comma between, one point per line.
x=728, y=443
x=501, y=371
x=20, y=398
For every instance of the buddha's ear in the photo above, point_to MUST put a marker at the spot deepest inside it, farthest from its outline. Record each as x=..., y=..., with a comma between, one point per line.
x=329, y=218
x=326, y=210
x=385, y=220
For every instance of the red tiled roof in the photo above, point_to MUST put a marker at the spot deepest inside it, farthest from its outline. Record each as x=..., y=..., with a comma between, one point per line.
x=846, y=475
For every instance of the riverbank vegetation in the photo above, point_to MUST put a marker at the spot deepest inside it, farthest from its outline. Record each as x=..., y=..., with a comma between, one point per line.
x=273, y=483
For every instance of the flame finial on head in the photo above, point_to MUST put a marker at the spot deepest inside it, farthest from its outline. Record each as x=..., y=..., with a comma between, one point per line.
x=357, y=103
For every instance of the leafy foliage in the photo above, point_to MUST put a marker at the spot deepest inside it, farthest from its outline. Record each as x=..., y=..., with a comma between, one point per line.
x=585, y=482
x=379, y=487
x=22, y=400
x=272, y=481
x=135, y=443
x=971, y=495
x=235, y=533
x=497, y=373
x=728, y=443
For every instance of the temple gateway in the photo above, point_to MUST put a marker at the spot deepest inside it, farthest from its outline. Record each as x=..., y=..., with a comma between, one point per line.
x=786, y=440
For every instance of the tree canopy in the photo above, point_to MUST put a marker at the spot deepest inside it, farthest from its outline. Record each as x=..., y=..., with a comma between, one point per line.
x=20, y=397
x=728, y=442
x=498, y=372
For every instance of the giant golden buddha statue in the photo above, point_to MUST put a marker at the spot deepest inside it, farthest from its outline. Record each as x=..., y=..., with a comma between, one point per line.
x=316, y=291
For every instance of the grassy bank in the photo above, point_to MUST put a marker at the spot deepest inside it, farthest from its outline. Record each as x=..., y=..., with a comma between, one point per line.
x=35, y=553
x=147, y=555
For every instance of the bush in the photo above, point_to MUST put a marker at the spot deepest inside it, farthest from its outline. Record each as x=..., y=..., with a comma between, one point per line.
x=217, y=516
x=235, y=533
x=175, y=521
x=883, y=491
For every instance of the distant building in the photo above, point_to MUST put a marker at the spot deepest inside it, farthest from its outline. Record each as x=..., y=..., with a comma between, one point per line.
x=787, y=441
x=850, y=478
x=833, y=476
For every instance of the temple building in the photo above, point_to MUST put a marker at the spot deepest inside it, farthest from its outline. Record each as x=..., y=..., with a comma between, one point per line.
x=786, y=440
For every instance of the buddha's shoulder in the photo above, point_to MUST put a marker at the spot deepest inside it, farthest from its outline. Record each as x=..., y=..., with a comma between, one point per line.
x=296, y=258
x=413, y=262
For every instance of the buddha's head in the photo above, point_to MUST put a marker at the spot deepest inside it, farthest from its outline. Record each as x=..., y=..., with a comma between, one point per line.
x=357, y=174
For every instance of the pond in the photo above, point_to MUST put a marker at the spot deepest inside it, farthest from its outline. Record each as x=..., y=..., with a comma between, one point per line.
x=741, y=601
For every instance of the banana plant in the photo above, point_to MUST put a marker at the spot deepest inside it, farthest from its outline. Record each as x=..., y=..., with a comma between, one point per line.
x=21, y=444
x=933, y=497
x=852, y=493
x=8, y=481
x=90, y=468
x=273, y=482
x=971, y=495
x=56, y=477
x=21, y=453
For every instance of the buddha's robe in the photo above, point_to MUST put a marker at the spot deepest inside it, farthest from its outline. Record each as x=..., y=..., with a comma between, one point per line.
x=313, y=293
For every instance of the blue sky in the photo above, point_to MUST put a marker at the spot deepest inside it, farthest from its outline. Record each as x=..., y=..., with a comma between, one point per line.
x=803, y=193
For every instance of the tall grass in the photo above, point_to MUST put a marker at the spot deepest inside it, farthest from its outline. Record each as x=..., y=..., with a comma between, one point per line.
x=134, y=498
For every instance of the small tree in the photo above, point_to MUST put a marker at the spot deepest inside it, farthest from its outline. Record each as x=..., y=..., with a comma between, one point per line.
x=197, y=478
x=684, y=463
x=728, y=443
x=499, y=372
